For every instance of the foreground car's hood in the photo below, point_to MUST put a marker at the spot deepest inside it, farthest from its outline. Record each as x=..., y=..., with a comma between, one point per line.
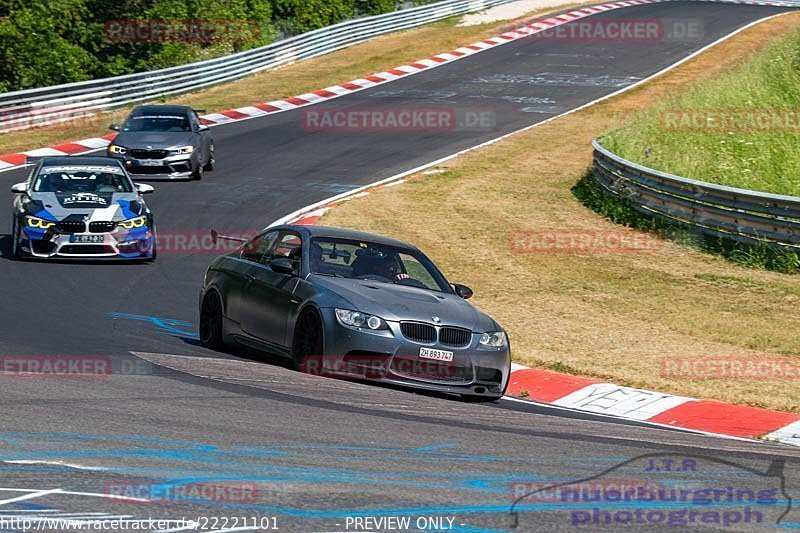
x=399, y=302
x=154, y=140
x=106, y=207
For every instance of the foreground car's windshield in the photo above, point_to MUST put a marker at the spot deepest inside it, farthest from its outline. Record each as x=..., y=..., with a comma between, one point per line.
x=367, y=260
x=72, y=179
x=157, y=123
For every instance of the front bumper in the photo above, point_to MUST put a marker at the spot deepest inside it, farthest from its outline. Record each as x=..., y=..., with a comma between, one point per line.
x=392, y=358
x=138, y=243
x=170, y=167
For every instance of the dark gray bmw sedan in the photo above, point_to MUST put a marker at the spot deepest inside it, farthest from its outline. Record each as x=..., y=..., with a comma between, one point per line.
x=354, y=305
x=163, y=141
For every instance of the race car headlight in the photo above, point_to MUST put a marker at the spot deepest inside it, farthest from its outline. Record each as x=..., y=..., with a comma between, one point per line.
x=356, y=319
x=182, y=150
x=494, y=339
x=36, y=222
x=131, y=223
x=116, y=149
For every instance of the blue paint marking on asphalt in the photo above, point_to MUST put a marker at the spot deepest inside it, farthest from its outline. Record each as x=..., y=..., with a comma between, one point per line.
x=434, y=447
x=183, y=463
x=171, y=326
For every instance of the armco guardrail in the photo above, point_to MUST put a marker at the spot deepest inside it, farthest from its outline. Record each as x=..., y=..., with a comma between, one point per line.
x=746, y=216
x=22, y=109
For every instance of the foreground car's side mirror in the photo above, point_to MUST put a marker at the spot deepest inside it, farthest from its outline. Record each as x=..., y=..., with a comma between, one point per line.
x=114, y=127
x=144, y=188
x=19, y=188
x=201, y=127
x=463, y=291
x=282, y=265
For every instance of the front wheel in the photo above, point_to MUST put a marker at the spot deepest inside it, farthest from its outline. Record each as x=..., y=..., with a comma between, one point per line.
x=209, y=166
x=307, y=342
x=16, y=253
x=197, y=173
x=154, y=253
x=211, y=335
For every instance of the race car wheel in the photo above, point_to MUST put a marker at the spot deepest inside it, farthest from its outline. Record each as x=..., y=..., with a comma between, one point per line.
x=209, y=166
x=197, y=173
x=15, y=238
x=211, y=322
x=155, y=247
x=307, y=342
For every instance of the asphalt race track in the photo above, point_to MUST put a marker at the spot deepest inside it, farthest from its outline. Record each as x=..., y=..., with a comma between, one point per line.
x=319, y=451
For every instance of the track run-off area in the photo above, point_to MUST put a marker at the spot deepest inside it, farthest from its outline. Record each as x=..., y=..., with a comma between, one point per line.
x=310, y=453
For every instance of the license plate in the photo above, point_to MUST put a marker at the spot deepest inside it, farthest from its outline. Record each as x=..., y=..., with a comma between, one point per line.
x=436, y=355
x=151, y=162
x=86, y=239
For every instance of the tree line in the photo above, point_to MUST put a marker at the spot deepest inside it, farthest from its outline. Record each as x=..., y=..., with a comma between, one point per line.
x=48, y=42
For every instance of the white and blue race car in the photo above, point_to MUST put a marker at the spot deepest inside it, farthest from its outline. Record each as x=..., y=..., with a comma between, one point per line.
x=82, y=207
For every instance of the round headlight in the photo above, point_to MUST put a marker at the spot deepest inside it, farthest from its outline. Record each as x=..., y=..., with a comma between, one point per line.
x=494, y=339
x=373, y=322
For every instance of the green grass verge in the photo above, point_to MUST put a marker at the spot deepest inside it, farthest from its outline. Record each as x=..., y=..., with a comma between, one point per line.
x=726, y=146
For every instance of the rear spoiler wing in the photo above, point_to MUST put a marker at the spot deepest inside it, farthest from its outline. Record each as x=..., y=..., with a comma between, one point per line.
x=215, y=237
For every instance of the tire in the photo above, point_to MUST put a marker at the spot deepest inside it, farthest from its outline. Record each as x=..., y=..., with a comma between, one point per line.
x=209, y=166
x=307, y=344
x=197, y=173
x=16, y=253
x=155, y=248
x=211, y=334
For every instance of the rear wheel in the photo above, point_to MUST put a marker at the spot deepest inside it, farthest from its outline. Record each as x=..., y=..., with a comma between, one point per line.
x=211, y=322
x=307, y=342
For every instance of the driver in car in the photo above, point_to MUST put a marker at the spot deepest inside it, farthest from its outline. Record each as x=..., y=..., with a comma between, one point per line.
x=388, y=267
x=372, y=262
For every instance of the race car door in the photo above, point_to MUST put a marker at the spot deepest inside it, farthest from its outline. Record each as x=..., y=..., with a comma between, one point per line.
x=269, y=301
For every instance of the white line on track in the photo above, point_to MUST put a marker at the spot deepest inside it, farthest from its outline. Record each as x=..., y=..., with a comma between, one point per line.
x=52, y=463
x=30, y=496
x=74, y=493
